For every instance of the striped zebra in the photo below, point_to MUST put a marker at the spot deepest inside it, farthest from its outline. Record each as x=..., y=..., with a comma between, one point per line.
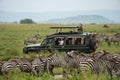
x=1, y=63
x=25, y=65
x=103, y=61
x=95, y=64
x=113, y=39
x=32, y=40
x=38, y=66
x=74, y=60
x=116, y=60
x=53, y=61
x=9, y=65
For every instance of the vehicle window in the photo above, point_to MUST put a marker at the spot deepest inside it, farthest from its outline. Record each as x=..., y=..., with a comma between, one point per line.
x=80, y=41
x=70, y=41
x=59, y=41
x=76, y=41
x=48, y=42
x=44, y=42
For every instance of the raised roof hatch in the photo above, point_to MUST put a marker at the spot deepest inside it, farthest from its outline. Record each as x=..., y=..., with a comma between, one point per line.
x=59, y=28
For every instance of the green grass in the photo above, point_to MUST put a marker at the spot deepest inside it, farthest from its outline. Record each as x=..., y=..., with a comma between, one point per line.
x=12, y=42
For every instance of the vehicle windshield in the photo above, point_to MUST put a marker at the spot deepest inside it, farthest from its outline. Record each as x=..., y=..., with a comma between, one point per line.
x=70, y=41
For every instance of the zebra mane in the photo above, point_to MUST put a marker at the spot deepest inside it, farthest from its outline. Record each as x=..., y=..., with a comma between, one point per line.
x=52, y=54
x=101, y=54
x=69, y=55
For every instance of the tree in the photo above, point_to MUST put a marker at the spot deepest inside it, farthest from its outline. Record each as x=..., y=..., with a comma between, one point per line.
x=27, y=21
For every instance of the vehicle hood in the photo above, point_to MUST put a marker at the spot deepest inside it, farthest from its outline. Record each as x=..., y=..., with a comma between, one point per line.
x=33, y=45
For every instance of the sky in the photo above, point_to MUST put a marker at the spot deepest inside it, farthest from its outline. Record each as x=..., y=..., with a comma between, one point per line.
x=57, y=5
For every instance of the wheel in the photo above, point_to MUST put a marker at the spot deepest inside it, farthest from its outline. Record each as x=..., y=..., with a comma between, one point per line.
x=25, y=50
x=93, y=45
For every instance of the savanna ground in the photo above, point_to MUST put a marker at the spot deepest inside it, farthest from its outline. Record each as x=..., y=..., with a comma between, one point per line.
x=12, y=42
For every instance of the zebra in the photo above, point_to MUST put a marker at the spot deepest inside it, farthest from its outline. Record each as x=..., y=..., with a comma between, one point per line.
x=100, y=38
x=25, y=65
x=95, y=64
x=117, y=35
x=32, y=40
x=106, y=26
x=53, y=61
x=113, y=39
x=38, y=66
x=9, y=65
x=1, y=63
x=116, y=60
x=108, y=60
x=72, y=60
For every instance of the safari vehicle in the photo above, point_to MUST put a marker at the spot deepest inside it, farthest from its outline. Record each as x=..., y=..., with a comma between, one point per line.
x=65, y=41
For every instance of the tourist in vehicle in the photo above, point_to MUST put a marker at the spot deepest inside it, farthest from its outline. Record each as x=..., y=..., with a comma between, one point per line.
x=80, y=28
x=61, y=41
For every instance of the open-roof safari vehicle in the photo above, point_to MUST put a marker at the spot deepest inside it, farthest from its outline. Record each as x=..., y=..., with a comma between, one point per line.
x=65, y=41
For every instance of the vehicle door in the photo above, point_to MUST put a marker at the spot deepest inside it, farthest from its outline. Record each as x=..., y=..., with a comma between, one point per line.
x=47, y=43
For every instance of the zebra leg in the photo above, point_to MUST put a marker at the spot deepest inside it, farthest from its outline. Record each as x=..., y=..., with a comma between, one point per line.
x=78, y=70
x=109, y=72
x=65, y=72
x=33, y=73
x=50, y=70
x=109, y=43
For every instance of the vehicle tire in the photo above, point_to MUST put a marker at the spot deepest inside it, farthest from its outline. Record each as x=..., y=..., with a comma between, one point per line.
x=93, y=45
x=25, y=51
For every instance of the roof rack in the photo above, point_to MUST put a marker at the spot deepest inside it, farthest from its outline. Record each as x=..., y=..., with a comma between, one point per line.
x=59, y=28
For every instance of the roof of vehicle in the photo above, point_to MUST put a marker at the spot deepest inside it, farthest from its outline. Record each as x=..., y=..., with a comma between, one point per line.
x=72, y=32
x=68, y=34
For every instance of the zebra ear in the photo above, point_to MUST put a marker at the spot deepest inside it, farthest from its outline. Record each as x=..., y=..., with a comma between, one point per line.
x=40, y=59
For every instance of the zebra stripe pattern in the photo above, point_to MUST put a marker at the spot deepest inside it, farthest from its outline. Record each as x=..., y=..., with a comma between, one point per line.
x=38, y=66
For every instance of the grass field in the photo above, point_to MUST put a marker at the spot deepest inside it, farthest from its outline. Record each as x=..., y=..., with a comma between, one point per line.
x=12, y=42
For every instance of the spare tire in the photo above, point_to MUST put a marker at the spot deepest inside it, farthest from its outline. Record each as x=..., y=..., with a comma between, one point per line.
x=93, y=45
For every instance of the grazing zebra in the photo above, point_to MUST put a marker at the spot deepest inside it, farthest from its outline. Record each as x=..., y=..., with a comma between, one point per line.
x=38, y=66
x=8, y=66
x=106, y=26
x=101, y=37
x=25, y=65
x=97, y=66
x=113, y=39
x=32, y=40
x=117, y=35
x=111, y=61
x=1, y=63
x=116, y=59
x=53, y=61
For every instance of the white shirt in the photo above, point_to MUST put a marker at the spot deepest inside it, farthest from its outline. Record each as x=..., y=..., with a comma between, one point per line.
x=61, y=42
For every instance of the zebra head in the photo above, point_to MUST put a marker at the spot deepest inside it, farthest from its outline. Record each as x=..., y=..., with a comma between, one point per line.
x=37, y=36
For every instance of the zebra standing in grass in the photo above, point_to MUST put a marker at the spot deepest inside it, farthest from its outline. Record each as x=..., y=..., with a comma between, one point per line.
x=116, y=58
x=73, y=60
x=113, y=39
x=1, y=63
x=38, y=66
x=9, y=65
x=105, y=61
x=96, y=65
x=32, y=40
x=53, y=61
x=25, y=65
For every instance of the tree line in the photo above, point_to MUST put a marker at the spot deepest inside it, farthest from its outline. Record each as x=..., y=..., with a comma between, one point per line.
x=27, y=21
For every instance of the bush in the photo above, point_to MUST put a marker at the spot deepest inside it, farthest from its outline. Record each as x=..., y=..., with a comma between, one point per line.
x=27, y=21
